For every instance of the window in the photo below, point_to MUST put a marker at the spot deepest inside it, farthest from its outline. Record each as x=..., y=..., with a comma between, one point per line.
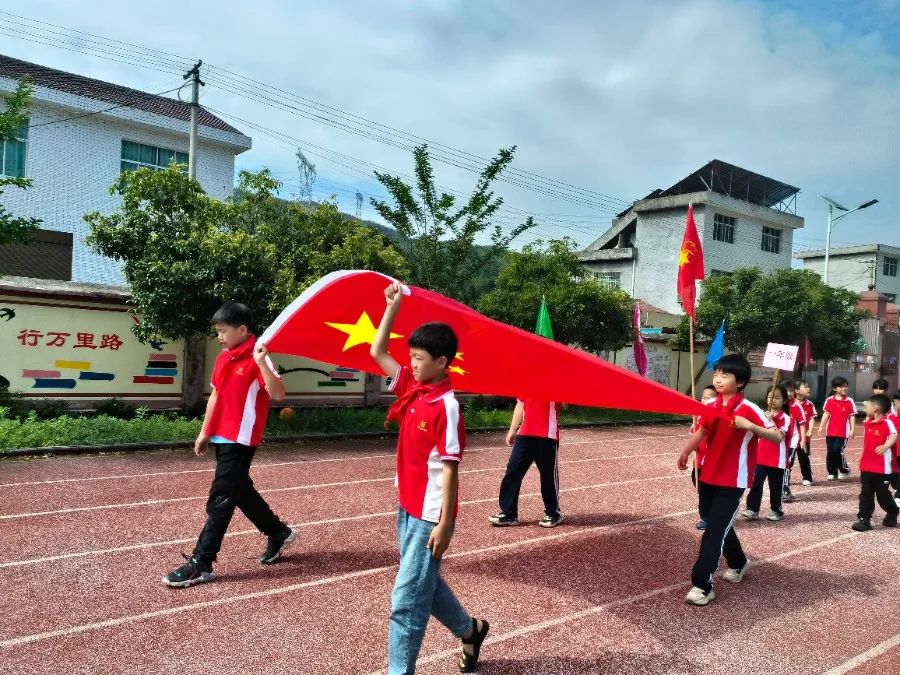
x=890, y=266
x=892, y=297
x=12, y=163
x=723, y=228
x=609, y=279
x=136, y=155
x=771, y=240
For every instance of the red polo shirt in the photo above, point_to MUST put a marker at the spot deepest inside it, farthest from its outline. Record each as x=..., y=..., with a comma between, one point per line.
x=242, y=402
x=730, y=458
x=771, y=454
x=798, y=417
x=541, y=419
x=432, y=432
x=841, y=410
x=809, y=410
x=876, y=434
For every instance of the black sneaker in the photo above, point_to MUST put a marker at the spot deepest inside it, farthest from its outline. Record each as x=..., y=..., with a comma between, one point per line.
x=194, y=571
x=701, y=524
x=551, y=521
x=788, y=497
x=502, y=520
x=277, y=544
x=890, y=520
x=862, y=525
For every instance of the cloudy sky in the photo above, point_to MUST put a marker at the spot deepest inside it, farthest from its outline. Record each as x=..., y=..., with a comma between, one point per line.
x=610, y=100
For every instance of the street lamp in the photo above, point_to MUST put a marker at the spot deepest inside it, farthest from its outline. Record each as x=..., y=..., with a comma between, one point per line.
x=832, y=205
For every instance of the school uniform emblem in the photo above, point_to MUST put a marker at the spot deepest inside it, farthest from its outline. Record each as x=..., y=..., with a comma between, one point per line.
x=422, y=426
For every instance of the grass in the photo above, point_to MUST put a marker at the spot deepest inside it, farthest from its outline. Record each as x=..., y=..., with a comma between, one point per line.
x=81, y=430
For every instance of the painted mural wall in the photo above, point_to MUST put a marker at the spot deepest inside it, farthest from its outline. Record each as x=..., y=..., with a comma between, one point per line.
x=83, y=350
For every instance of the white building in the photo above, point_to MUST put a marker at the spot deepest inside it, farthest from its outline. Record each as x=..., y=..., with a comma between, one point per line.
x=81, y=134
x=858, y=268
x=744, y=219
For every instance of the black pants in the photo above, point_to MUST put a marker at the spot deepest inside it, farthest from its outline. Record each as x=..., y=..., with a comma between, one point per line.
x=875, y=485
x=792, y=457
x=232, y=487
x=835, y=459
x=525, y=450
x=895, y=483
x=720, y=504
x=803, y=458
x=775, y=476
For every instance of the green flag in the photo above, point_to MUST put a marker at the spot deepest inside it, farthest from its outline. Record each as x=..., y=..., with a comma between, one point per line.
x=544, y=328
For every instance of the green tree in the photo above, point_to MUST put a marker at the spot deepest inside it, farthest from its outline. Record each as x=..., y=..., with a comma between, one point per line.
x=15, y=229
x=585, y=312
x=185, y=253
x=438, y=237
x=786, y=306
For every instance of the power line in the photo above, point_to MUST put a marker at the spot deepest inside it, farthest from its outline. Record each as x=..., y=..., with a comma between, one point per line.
x=146, y=57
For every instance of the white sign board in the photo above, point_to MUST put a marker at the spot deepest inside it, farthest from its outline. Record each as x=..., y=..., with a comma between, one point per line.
x=779, y=356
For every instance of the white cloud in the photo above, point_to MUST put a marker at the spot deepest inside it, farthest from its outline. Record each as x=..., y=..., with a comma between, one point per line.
x=619, y=98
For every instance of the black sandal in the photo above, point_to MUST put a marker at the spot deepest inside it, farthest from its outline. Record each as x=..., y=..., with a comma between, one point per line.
x=467, y=662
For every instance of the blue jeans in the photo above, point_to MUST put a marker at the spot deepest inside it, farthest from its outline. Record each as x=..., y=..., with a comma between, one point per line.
x=419, y=592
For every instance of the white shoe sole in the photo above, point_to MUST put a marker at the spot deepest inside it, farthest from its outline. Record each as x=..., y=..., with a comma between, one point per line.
x=202, y=579
x=287, y=542
x=739, y=576
x=700, y=600
x=556, y=524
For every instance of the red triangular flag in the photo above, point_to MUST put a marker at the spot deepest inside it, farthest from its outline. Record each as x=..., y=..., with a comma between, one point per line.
x=334, y=321
x=690, y=266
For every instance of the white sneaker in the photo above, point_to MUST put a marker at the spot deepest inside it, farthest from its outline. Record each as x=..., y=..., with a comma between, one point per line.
x=750, y=515
x=736, y=576
x=699, y=597
x=807, y=483
x=897, y=501
x=842, y=476
x=830, y=477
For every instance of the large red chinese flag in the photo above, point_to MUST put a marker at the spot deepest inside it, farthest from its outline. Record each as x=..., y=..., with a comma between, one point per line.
x=690, y=266
x=335, y=319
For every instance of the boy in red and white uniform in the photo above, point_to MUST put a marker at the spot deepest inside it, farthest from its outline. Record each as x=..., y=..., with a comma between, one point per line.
x=801, y=394
x=730, y=430
x=876, y=464
x=839, y=423
x=795, y=441
x=534, y=437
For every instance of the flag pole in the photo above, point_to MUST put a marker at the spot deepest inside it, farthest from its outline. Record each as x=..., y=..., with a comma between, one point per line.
x=696, y=471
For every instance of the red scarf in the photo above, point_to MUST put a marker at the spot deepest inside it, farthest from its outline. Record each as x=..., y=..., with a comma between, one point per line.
x=721, y=422
x=398, y=407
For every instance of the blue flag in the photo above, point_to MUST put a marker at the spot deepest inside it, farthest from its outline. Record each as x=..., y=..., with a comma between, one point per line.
x=716, y=348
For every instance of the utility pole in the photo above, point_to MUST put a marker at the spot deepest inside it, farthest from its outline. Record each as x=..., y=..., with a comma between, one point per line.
x=194, y=75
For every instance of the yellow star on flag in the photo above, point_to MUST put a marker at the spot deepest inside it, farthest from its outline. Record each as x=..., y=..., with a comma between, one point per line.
x=457, y=370
x=360, y=333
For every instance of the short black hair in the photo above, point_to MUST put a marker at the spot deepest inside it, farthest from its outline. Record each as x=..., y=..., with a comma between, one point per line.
x=737, y=365
x=880, y=383
x=785, y=399
x=436, y=338
x=709, y=386
x=234, y=314
x=839, y=382
x=789, y=384
x=880, y=401
x=801, y=383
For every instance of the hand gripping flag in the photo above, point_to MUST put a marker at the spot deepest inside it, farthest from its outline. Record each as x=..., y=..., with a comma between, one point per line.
x=335, y=320
x=690, y=266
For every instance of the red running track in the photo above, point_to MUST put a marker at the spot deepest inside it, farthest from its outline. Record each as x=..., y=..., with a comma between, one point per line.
x=85, y=540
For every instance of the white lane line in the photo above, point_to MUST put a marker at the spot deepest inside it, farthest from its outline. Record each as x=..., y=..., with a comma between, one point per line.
x=311, y=523
x=353, y=458
x=865, y=656
x=293, y=488
x=280, y=590
x=598, y=609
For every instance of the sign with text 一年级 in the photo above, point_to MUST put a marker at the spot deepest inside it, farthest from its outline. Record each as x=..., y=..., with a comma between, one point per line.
x=782, y=357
